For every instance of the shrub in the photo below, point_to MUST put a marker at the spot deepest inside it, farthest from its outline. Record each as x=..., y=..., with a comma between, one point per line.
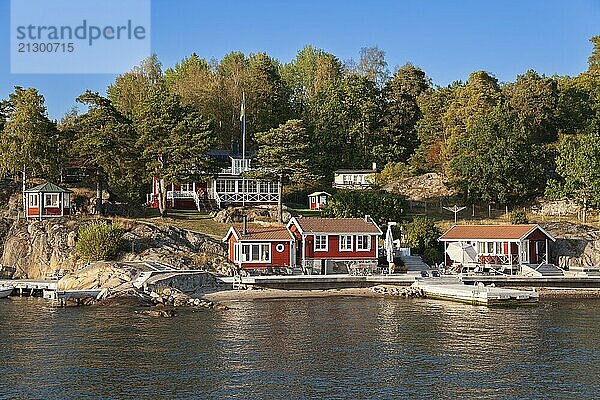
x=382, y=206
x=518, y=217
x=422, y=234
x=99, y=241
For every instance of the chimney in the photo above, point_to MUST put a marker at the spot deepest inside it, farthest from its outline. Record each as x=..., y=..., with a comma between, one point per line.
x=374, y=166
x=245, y=231
x=367, y=218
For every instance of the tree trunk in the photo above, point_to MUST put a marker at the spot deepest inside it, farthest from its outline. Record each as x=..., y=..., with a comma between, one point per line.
x=280, y=199
x=162, y=198
x=98, y=192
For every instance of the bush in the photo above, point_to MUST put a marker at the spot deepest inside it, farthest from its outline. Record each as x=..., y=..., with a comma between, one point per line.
x=422, y=234
x=99, y=241
x=382, y=206
x=518, y=217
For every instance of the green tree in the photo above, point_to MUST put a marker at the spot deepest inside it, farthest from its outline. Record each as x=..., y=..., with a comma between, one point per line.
x=132, y=88
x=346, y=121
x=495, y=162
x=310, y=72
x=431, y=130
x=283, y=153
x=578, y=165
x=177, y=132
x=28, y=138
x=372, y=65
x=535, y=100
x=422, y=235
x=594, y=58
x=401, y=113
x=105, y=142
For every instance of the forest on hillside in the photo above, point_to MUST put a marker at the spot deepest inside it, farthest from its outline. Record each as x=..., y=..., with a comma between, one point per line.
x=501, y=142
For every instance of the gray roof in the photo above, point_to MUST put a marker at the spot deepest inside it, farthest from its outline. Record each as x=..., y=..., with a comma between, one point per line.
x=355, y=171
x=47, y=188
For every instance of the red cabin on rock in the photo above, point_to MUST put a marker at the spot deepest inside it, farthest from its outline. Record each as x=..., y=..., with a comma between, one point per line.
x=335, y=245
x=47, y=201
x=260, y=247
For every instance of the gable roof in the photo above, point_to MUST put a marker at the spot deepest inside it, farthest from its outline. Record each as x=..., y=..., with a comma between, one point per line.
x=47, y=188
x=336, y=225
x=492, y=232
x=318, y=194
x=266, y=233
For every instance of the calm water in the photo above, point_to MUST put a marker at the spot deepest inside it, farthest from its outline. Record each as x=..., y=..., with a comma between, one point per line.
x=328, y=348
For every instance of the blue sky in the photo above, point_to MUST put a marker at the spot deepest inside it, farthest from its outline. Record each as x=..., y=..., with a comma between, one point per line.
x=448, y=39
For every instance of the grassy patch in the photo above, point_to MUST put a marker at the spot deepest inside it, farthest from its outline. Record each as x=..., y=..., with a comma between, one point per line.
x=190, y=220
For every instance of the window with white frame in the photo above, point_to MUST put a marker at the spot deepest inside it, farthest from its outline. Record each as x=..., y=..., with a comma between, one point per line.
x=264, y=187
x=254, y=253
x=33, y=200
x=499, y=248
x=345, y=242
x=320, y=242
x=187, y=187
x=363, y=242
x=51, y=200
x=346, y=179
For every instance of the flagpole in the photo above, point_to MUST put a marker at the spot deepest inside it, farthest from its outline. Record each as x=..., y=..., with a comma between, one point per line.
x=243, y=116
x=243, y=129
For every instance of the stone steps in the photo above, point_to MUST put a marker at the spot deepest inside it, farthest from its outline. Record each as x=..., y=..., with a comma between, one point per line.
x=414, y=263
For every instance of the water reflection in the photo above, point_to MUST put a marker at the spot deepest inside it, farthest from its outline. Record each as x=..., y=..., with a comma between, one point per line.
x=302, y=348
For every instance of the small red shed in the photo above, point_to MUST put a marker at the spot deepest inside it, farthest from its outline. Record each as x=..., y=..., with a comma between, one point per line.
x=260, y=247
x=317, y=200
x=47, y=201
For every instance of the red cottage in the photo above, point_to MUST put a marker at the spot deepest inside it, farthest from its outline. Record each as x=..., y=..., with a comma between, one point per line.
x=335, y=245
x=259, y=248
x=505, y=248
x=47, y=201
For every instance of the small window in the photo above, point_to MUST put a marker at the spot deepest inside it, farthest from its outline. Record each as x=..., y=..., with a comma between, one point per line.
x=256, y=252
x=33, y=200
x=51, y=200
x=490, y=247
x=320, y=242
x=345, y=242
x=363, y=243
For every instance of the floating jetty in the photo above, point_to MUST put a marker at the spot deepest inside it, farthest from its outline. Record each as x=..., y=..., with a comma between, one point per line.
x=479, y=294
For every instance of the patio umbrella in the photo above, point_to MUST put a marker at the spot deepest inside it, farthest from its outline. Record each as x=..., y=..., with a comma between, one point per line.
x=461, y=252
x=389, y=244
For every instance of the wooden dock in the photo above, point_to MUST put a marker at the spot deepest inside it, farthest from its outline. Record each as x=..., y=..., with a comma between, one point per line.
x=30, y=287
x=455, y=290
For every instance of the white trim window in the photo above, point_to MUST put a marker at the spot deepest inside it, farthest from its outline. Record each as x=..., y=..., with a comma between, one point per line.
x=363, y=242
x=33, y=200
x=346, y=242
x=256, y=253
x=321, y=243
x=51, y=200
